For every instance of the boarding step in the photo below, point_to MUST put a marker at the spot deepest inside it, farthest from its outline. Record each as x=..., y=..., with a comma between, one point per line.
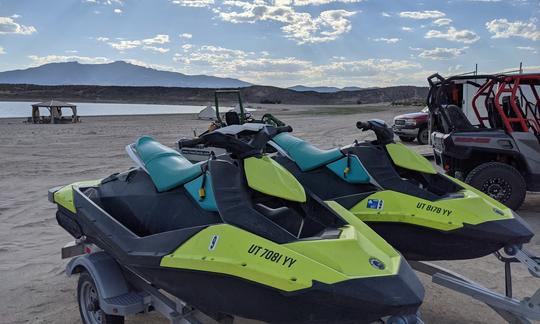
x=130, y=303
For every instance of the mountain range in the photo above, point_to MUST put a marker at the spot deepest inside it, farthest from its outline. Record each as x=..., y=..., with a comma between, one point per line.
x=122, y=73
x=117, y=73
x=301, y=88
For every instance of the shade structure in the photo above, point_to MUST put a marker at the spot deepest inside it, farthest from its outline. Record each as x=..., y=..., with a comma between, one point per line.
x=55, y=110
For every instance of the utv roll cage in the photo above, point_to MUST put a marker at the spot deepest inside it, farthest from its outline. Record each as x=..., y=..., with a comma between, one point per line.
x=506, y=105
x=238, y=118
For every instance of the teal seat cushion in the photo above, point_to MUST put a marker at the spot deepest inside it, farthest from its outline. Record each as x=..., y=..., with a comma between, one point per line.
x=167, y=168
x=193, y=187
x=305, y=155
x=357, y=173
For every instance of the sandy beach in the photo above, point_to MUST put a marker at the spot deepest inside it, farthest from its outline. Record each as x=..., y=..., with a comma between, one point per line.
x=33, y=286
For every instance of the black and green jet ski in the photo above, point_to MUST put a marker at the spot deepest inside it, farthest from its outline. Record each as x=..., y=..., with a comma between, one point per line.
x=397, y=192
x=422, y=213
x=239, y=235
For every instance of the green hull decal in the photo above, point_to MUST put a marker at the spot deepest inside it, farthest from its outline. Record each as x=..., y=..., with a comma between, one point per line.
x=269, y=177
x=445, y=214
x=408, y=159
x=64, y=196
x=290, y=267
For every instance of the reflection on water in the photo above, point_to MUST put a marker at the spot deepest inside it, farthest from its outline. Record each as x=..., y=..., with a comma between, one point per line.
x=10, y=109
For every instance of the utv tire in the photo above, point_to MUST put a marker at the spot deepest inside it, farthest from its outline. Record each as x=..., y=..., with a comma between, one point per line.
x=88, y=298
x=406, y=139
x=499, y=181
x=423, y=136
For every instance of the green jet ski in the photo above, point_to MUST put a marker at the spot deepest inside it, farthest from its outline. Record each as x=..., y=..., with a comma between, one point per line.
x=238, y=235
x=422, y=213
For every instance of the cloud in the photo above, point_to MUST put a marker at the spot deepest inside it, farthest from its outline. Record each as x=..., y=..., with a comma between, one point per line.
x=185, y=35
x=2, y=51
x=463, y=36
x=9, y=26
x=385, y=14
x=442, y=21
x=158, y=39
x=426, y=14
x=72, y=51
x=526, y=48
x=407, y=29
x=387, y=40
x=40, y=60
x=502, y=28
x=106, y=2
x=194, y=3
x=299, y=26
x=442, y=53
x=118, y=11
x=155, y=49
x=318, y=2
x=145, y=44
x=264, y=68
x=15, y=16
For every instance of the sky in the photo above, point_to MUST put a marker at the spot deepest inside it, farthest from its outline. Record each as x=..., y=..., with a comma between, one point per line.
x=278, y=42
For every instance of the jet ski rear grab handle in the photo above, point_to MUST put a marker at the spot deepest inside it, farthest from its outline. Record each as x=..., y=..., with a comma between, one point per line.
x=144, y=297
x=511, y=309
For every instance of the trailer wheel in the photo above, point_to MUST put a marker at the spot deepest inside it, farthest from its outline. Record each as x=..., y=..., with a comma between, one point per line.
x=423, y=136
x=406, y=139
x=88, y=298
x=500, y=181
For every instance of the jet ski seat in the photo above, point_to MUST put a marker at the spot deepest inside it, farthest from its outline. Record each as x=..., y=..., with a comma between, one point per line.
x=167, y=168
x=305, y=155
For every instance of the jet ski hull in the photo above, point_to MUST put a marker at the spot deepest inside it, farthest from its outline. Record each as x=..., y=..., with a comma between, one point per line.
x=418, y=243
x=353, y=301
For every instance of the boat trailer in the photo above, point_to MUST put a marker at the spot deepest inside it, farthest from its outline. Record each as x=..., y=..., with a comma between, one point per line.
x=512, y=310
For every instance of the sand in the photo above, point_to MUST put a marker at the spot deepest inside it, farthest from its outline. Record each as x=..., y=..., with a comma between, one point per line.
x=33, y=286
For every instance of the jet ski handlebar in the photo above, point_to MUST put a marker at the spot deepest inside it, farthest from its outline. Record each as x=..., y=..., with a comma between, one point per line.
x=241, y=141
x=385, y=134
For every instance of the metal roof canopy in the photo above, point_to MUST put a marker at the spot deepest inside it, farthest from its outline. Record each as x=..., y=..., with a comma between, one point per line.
x=54, y=103
x=55, y=109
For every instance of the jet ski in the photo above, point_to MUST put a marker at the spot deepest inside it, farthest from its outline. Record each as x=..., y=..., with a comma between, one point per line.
x=238, y=235
x=422, y=213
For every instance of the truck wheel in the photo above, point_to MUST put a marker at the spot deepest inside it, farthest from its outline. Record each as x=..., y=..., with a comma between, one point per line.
x=423, y=136
x=88, y=298
x=500, y=181
x=406, y=139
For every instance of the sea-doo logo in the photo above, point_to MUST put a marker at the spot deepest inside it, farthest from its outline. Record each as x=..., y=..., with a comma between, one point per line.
x=375, y=203
x=213, y=242
x=377, y=264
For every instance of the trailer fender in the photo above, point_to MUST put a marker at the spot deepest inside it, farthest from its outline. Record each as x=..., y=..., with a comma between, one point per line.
x=105, y=272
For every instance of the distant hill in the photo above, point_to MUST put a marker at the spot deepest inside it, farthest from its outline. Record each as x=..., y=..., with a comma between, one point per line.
x=301, y=88
x=173, y=95
x=118, y=73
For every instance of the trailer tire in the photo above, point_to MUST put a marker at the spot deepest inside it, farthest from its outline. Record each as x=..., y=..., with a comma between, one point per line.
x=423, y=136
x=500, y=181
x=88, y=299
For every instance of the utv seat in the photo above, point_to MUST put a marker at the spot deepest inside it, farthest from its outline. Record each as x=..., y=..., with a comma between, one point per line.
x=456, y=119
x=305, y=155
x=167, y=168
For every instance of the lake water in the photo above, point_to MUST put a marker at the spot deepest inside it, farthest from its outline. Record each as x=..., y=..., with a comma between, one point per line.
x=11, y=109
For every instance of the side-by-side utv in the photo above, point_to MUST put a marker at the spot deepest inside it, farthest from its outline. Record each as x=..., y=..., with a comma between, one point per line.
x=489, y=138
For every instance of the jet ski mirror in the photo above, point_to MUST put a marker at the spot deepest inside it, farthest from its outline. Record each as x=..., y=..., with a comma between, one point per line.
x=385, y=135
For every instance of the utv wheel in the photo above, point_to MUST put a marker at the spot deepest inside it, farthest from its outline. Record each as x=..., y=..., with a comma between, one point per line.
x=423, y=136
x=406, y=139
x=499, y=181
x=88, y=298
